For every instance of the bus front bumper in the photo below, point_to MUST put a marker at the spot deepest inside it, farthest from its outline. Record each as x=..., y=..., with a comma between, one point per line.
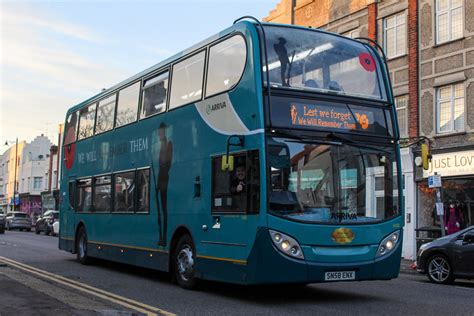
x=266, y=264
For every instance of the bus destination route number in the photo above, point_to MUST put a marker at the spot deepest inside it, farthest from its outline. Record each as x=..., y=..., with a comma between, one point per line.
x=339, y=275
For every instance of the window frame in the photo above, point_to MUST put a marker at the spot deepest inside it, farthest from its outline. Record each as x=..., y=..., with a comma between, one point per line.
x=97, y=112
x=395, y=27
x=452, y=100
x=248, y=210
x=406, y=107
x=142, y=90
x=79, y=123
x=204, y=74
x=137, y=116
x=448, y=11
x=208, y=59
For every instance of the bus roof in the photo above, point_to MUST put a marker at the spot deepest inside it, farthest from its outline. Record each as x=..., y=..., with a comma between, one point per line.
x=238, y=26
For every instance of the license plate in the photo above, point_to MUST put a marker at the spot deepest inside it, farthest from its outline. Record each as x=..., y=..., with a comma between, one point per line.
x=339, y=275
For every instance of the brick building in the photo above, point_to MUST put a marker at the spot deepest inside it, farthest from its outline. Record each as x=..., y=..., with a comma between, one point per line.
x=430, y=49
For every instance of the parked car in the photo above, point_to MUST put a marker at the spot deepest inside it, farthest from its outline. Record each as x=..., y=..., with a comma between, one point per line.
x=448, y=258
x=56, y=228
x=46, y=221
x=18, y=220
x=2, y=223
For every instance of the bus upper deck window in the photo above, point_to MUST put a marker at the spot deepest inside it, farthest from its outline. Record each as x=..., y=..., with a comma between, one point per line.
x=226, y=64
x=127, y=105
x=86, y=121
x=71, y=128
x=105, y=115
x=155, y=91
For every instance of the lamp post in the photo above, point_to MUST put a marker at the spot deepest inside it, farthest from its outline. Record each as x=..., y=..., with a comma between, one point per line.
x=16, y=165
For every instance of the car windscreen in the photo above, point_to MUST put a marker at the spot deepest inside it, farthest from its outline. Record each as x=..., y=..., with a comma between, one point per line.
x=20, y=215
x=314, y=60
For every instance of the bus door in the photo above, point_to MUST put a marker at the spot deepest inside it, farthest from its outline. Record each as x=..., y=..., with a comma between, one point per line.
x=234, y=207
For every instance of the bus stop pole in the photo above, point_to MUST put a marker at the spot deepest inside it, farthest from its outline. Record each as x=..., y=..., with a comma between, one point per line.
x=440, y=208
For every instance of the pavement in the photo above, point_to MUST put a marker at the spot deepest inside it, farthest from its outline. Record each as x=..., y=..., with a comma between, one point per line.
x=405, y=267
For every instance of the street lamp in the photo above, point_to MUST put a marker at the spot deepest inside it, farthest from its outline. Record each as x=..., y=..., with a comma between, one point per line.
x=16, y=163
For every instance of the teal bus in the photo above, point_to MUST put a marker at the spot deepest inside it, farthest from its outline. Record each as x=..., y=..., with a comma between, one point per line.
x=265, y=154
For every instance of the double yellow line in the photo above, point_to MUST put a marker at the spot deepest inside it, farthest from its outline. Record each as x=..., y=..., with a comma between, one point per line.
x=114, y=298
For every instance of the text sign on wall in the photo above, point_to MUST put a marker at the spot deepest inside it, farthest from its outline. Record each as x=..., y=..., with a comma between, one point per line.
x=451, y=164
x=331, y=117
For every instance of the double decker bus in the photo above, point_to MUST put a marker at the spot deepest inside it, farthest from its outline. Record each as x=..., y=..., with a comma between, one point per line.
x=265, y=154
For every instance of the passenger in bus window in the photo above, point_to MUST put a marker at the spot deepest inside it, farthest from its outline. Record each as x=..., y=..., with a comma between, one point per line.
x=239, y=188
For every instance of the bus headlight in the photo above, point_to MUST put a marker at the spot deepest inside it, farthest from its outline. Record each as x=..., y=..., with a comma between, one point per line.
x=289, y=246
x=388, y=244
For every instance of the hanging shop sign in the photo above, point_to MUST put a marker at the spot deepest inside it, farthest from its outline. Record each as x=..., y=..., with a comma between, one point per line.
x=451, y=164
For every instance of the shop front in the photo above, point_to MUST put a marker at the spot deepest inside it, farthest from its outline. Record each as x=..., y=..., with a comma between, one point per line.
x=457, y=174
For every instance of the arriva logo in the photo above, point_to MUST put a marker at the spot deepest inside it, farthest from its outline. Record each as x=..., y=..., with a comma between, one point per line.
x=214, y=107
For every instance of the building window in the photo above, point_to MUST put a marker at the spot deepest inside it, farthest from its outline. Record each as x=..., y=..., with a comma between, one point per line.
x=450, y=108
x=395, y=35
x=352, y=34
x=401, y=104
x=449, y=20
x=37, y=183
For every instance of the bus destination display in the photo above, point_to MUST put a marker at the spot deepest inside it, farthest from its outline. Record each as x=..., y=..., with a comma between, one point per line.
x=334, y=117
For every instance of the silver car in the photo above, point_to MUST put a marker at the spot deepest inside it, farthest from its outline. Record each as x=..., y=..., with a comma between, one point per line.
x=18, y=220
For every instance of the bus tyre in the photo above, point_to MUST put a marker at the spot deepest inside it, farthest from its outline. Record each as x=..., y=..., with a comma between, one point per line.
x=183, y=263
x=81, y=246
x=439, y=269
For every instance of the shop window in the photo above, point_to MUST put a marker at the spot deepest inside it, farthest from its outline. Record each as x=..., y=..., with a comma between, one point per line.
x=102, y=194
x=143, y=181
x=86, y=121
x=226, y=64
x=237, y=191
x=449, y=20
x=127, y=105
x=84, y=195
x=155, y=91
x=186, y=84
x=124, y=192
x=105, y=115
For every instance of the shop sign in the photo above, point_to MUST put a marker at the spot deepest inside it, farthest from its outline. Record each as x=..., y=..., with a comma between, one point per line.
x=451, y=164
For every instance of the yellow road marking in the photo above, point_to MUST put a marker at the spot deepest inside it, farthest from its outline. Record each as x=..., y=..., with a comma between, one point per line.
x=126, y=302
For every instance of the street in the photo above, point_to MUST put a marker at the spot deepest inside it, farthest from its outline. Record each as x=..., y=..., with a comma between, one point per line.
x=116, y=289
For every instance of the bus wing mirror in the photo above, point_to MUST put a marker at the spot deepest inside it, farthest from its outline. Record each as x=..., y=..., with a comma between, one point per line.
x=227, y=163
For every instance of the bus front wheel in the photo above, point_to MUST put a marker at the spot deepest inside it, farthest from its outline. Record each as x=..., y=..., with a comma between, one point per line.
x=183, y=260
x=81, y=246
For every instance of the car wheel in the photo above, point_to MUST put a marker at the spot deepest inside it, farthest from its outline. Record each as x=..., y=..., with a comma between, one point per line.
x=37, y=231
x=81, y=246
x=183, y=263
x=439, y=269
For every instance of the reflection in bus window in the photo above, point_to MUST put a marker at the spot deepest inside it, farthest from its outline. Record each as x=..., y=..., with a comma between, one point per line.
x=105, y=115
x=84, y=195
x=226, y=64
x=86, y=121
x=102, y=194
x=186, y=85
x=127, y=105
x=155, y=91
x=143, y=180
x=71, y=128
x=124, y=192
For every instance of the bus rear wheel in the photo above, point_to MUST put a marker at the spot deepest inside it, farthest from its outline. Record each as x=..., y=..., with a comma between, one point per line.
x=183, y=263
x=81, y=246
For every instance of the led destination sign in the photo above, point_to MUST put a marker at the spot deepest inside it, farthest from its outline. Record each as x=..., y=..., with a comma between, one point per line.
x=324, y=116
x=287, y=112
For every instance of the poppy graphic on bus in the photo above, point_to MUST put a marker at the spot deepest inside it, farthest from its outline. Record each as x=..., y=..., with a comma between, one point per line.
x=69, y=151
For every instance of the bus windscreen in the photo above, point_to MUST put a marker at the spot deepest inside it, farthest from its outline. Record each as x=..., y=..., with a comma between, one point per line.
x=314, y=60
